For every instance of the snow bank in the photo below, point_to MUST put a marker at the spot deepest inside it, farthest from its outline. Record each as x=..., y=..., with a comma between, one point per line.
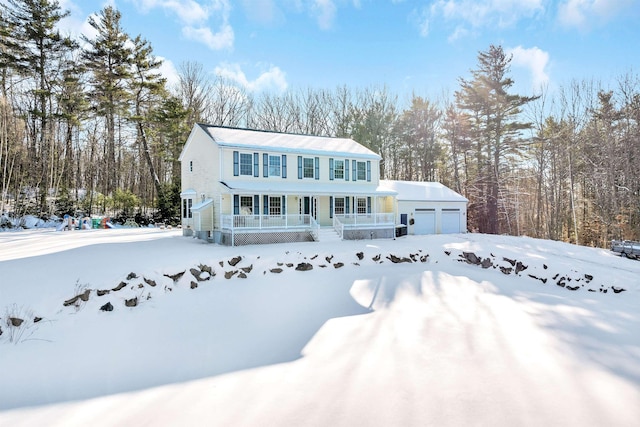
x=434, y=340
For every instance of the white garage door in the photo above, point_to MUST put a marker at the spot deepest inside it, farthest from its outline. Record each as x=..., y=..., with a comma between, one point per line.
x=425, y=221
x=450, y=221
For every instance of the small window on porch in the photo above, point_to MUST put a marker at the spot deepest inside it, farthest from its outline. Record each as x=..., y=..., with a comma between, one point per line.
x=275, y=206
x=246, y=205
x=362, y=205
x=339, y=206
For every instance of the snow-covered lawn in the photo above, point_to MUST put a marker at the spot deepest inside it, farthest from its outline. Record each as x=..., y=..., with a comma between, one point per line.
x=435, y=341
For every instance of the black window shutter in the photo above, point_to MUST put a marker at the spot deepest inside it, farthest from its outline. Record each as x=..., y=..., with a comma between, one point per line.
x=236, y=164
x=330, y=206
x=265, y=204
x=284, y=165
x=330, y=169
x=265, y=164
x=283, y=208
x=236, y=204
x=346, y=204
x=256, y=165
x=369, y=204
x=256, y=205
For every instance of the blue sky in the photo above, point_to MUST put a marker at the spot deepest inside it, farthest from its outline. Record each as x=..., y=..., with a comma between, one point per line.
x=420, y=47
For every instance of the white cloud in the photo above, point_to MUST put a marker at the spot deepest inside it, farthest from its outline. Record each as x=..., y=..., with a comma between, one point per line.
x=583, y=14
x=169, y=72
x=223, y=39
x=459, y=33
x=273, y=79
x=324, y=12
x=535, y=60
x=265, y=12
x=189, y=12
x=484, y=13
x=194, y=16
x=420, y=19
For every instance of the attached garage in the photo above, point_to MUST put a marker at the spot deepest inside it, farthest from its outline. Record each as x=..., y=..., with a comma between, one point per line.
x=451, y=221
x=424, y=221
x=428, y=207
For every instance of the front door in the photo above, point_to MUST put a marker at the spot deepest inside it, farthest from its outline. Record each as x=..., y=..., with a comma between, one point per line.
x=308, y=206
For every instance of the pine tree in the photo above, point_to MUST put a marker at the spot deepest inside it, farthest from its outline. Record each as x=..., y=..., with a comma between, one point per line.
x=108, y=59
x=34, y=25
x=493, y=114
x=147, y=88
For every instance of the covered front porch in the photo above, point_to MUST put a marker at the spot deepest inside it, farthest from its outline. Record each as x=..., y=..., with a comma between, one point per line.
x=252, y=214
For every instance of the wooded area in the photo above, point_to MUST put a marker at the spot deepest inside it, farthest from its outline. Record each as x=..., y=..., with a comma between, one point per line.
x=90, y=125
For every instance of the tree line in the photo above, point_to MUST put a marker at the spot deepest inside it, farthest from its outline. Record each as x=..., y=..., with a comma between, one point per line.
x=91, y=125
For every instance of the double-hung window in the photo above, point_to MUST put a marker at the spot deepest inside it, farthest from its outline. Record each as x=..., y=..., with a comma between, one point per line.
x=246, y=205
x=362, y=205
x=246, y=164
x=274, y=165
x=339, y=206
x=361, y=171
x=338, y=169
x=308, y=167
x=275, y=206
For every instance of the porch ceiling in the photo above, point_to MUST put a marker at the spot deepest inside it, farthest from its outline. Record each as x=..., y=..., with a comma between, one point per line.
x=303, y=188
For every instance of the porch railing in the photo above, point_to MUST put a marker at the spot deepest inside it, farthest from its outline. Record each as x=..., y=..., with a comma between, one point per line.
x=355, y=221
x=259, y=222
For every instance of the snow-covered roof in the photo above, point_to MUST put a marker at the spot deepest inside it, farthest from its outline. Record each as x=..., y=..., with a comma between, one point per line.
x=201, y=205
x=422, y=191
x=287, y=142
x=188, y=192
x=302, y=188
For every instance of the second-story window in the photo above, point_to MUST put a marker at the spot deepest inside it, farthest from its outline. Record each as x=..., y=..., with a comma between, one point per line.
x=274, y=165
x=338, y=169
x=246, y=164
x=362, y=171
x=308, y=167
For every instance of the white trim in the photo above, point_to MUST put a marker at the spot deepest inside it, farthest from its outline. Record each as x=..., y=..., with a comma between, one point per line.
x=188, y=192
x=304, y=187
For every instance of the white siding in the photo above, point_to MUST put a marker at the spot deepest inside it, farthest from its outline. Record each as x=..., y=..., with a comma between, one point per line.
x=199, y=171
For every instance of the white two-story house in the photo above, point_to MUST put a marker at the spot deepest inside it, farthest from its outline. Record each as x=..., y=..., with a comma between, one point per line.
x=242, y=186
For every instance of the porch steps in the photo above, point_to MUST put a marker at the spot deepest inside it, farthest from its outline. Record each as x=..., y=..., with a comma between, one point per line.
x=328, y=234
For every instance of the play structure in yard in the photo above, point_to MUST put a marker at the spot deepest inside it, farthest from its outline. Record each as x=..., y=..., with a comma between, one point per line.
x=86, y=223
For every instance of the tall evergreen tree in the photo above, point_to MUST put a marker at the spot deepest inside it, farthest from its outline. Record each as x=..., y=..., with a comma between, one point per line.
x=147, y=87
x=493, y=113
x=108, y=59
x=34, y=24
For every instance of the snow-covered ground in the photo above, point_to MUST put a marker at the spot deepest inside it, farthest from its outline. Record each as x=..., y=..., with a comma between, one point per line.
x=435, y=341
